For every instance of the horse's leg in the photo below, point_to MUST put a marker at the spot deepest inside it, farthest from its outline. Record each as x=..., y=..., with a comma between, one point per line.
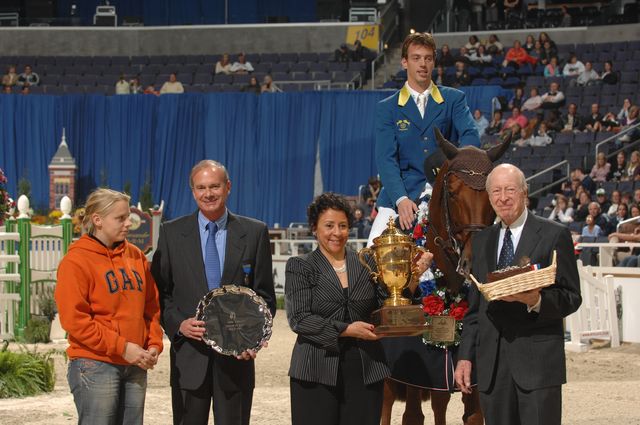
x=413, y=410
x=472, y=410
x=388, y=398
x=439, y=402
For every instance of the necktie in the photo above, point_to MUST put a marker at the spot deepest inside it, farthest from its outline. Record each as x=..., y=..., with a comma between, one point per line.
x=506, y=253
x=212, y=259
x=421, y=103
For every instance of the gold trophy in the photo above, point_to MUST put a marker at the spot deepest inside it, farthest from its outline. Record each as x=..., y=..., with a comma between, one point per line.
x=394, y=254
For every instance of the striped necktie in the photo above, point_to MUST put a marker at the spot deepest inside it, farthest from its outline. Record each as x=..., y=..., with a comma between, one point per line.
x=421, y=104
x=212, y=259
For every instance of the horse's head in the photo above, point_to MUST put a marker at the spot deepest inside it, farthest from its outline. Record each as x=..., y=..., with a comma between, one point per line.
x=460, y=204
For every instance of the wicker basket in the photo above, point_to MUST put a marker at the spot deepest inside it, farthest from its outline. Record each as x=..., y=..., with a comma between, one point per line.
x=519, y=283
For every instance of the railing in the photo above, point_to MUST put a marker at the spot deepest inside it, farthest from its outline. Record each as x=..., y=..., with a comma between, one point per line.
x=564, y=163
x=317, y=84
x=615, y=136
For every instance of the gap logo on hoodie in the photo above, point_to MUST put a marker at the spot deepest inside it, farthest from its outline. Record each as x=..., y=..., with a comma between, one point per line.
x=120, y=281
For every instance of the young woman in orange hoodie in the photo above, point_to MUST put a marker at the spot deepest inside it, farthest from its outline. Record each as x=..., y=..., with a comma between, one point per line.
x=108, y=304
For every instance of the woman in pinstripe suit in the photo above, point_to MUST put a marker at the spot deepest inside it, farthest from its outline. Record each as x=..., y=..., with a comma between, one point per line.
x=337, y=366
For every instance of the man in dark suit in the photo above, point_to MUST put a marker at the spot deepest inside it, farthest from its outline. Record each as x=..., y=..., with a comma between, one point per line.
x=405, y=131
x=195, y=254
x=516, y=344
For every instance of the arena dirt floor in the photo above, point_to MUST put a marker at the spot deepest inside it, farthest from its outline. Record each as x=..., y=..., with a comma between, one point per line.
x=602, y=389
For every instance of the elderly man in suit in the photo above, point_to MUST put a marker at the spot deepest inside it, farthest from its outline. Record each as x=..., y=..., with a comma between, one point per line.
x=516, y=344
x=195, y=254
x=405, y=131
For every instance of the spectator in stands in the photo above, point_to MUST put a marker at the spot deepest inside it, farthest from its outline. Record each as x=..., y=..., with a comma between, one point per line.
x=602, y=220
x=361, y=224
x=615, y=203
x=7, y=90
x=585, y=180
x=554, y=122
x=572, y=122
x=440, y=78
x=591, y=229
x=544, y=38
x=28, y=77
x=151, y=90
x=122, y=85
x=533, y=102
x=371, y=191
x=477, y=12
x=632, y=120
x=618, y=170
x=633, y=168
x=588, y=77
x=223, y=66
x=573, y=68
x=494, y=46
x=11, y=77
x=481, y=121
x=529, y=43
x=517, y=56
x=625, y=198
x=549, y=51
x=173, y=86
x=480, y=57
x=523, y=140
x=461, y=76
x=582, y=210
x=632, y=260
x=562, y=212
x=554, y=98
x=341, y=54
x=518, y=98
x=253, y=86
x=603, y=201
x=268, y=86
x=634, y=210
x=552, y=69
x=515, y=118
x=25, y=90
x=242, y=66
x=472, y=45
x=623, y=115
x=636, y=197
x=496, y=124
x=593, y=122
x=462, y=10
x=134, y=86
x=609, y=76
x=463, y=56
x=360, y=53
x=538, y=53
x=566, y=17
x=621, y=213
x=445, y=58
x=609, y=123
x=541, y=137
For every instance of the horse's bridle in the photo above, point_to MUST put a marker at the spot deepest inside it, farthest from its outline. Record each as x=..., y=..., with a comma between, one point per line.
x=451, y=246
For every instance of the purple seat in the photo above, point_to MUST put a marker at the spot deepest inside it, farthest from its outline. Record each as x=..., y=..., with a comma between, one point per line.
x=288, y=57
x=203, y=79
x=280, y=67
x=308, y=57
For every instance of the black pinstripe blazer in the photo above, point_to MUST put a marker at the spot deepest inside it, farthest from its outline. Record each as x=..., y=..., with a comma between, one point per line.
x=316, y=306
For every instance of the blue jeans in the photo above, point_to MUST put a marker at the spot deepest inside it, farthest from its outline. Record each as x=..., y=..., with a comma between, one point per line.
x=107, y=394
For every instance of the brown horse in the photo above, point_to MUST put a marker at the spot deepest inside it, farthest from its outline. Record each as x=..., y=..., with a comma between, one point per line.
x=458, y=208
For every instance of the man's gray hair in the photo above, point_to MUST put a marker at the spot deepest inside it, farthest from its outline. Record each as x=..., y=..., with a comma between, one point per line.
x=207, y=163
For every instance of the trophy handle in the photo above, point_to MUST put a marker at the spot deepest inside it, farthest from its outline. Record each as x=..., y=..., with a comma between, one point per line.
x=363, y=261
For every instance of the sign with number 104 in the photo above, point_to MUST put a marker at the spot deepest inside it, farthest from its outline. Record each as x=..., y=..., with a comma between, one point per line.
x=369, y=36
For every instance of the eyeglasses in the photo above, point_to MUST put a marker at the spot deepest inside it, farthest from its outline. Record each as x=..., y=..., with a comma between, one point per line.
x=508, y=191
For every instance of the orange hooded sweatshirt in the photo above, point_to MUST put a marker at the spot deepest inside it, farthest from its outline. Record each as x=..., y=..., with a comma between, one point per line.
x=106, y=298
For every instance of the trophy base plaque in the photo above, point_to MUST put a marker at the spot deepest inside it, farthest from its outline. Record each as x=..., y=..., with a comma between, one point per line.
x=405, y=320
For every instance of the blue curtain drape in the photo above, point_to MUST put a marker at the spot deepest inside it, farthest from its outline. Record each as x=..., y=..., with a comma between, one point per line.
x=268, y=143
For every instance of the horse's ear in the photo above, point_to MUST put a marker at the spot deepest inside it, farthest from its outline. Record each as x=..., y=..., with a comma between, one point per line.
x=449, y=149
x=497, y=151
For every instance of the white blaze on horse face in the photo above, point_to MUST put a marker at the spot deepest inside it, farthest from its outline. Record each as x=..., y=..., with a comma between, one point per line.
x=506, y=194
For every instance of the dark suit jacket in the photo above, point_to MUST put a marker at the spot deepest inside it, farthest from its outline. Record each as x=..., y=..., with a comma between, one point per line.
x=404, y=139
x=178, y=269
x=535, y=340
x=316, y=308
